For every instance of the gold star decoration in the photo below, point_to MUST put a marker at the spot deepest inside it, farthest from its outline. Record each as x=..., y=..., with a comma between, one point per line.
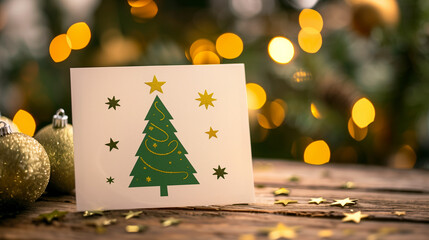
x=170, y=222
x=355, y=217
x=110, y=180
x=93, y=213
x=281, y=191
x=155, y=85
x=49, y=217
x=285, y=202
x=344, y=202
x=206, y=99
x=212, y=133
x=112, y=145
x=155, y=145
x=317, y=200
x=399, y=213
x=282, y=231
x=148, y=179
x=327, y=233
x=131, y=214
x=348, y=185
x=113, y=103
x=99, y=223
x=136, y=228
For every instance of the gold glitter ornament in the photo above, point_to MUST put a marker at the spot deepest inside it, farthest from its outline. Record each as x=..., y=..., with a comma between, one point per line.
x=10, y=122
x=24, y=169
x=57, y=139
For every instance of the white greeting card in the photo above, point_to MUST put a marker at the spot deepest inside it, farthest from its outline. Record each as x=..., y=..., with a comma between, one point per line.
x=161, y=136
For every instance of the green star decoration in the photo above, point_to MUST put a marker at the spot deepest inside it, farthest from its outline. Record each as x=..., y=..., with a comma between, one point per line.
x=112, y=144
x=113, y=103
x=110, y=180
x=220, y=172
x=49, y=217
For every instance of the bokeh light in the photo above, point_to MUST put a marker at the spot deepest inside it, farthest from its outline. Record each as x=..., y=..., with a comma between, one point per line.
x=229, y=45
x=310, y=40
x=256, y=96
x=309, y=18
x=25, y=122
x=264, y=121
x=201, y=45
x=147, y=11
x=79, y=35
x=281, y=50
x=314, y=111
x=278, y=110
x=60, y=48
x=301, y=76
x=363, y=113
x=246, y=8
x=138, y=3
x=317, y=153
x=206, y=57
x=404, y=158
x=356, y=132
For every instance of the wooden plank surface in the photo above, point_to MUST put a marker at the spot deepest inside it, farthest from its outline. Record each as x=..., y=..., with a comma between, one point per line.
x=380, y=192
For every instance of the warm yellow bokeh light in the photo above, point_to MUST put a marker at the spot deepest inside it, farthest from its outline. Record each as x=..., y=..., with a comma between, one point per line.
x=60, y=48
x=309, y=18
x=79, y=35
x=356, y=132
x=281, y=50
x=315, y=112
x=25, y=122
x=201, y=45
x=301, y=76
x=278, y=110
x=309, y=40
x=147, y=11
x=405, y=158
x=206, y=57
x=317, y=153
x=363, y=113
x=138, y=3
x=256, y=96
x=264, y=121
x=229, y=45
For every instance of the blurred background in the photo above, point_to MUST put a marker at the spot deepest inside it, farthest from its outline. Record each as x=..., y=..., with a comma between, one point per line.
x=344, y=81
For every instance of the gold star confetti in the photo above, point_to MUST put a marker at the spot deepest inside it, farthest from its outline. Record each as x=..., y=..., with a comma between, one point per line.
x=92, y=213
x=247, y=237
x=399, y=213
x=131, y=214
x=348, y=185
x=282, y=231
x=281, y=191
x=285, y=202
x=206, y=99
x=170, y=222
x=327, y=233
x=344, y=202
x=355, y=217
x=99, y=223
x=49, y=217
x=155, y=85
x=212, y=133
x=136, y=228
x=317, y=200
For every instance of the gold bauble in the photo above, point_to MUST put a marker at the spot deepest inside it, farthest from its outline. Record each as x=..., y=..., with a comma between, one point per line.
x=58, y=143
x=11, y=123
x=24, y=170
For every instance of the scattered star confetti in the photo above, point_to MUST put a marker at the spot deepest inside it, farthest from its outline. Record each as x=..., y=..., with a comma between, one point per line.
x=92, y=213
x=170, y=222
x=136, y=228
x=399, y=213
x=282, y=231
x=49, y=217
x=112, y=144
x=212, y=133
x=317, y=200
x=99, y=223
x=348, y=185
x=220, y=172
x=355, y=217
x=294, y=178
x=281, y=191
x=132, y=214
x=285, y=202
x=344, y=202
x=247, y=237
x=155, y=85
x=206, y=99
x=327, y=233
x=110, y=180
x=113, y=103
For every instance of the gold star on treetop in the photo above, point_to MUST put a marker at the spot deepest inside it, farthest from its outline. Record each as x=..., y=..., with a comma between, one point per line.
x=155, y=85
x=131, y=214
x=355, y=217
x=206, y=99
x=212, y=133
x=282, y=231
x=399, y=213
x=344, y=202
x=285, y=202
x=317, y=200
x=281, y=191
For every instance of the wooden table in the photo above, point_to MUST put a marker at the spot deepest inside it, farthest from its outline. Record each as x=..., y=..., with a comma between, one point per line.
x=381, y=192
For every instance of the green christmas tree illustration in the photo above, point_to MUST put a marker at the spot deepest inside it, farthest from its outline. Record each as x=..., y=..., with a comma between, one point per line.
x=162, y=158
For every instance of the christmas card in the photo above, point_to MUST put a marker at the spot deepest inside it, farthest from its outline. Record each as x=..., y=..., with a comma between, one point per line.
x=161, y=136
